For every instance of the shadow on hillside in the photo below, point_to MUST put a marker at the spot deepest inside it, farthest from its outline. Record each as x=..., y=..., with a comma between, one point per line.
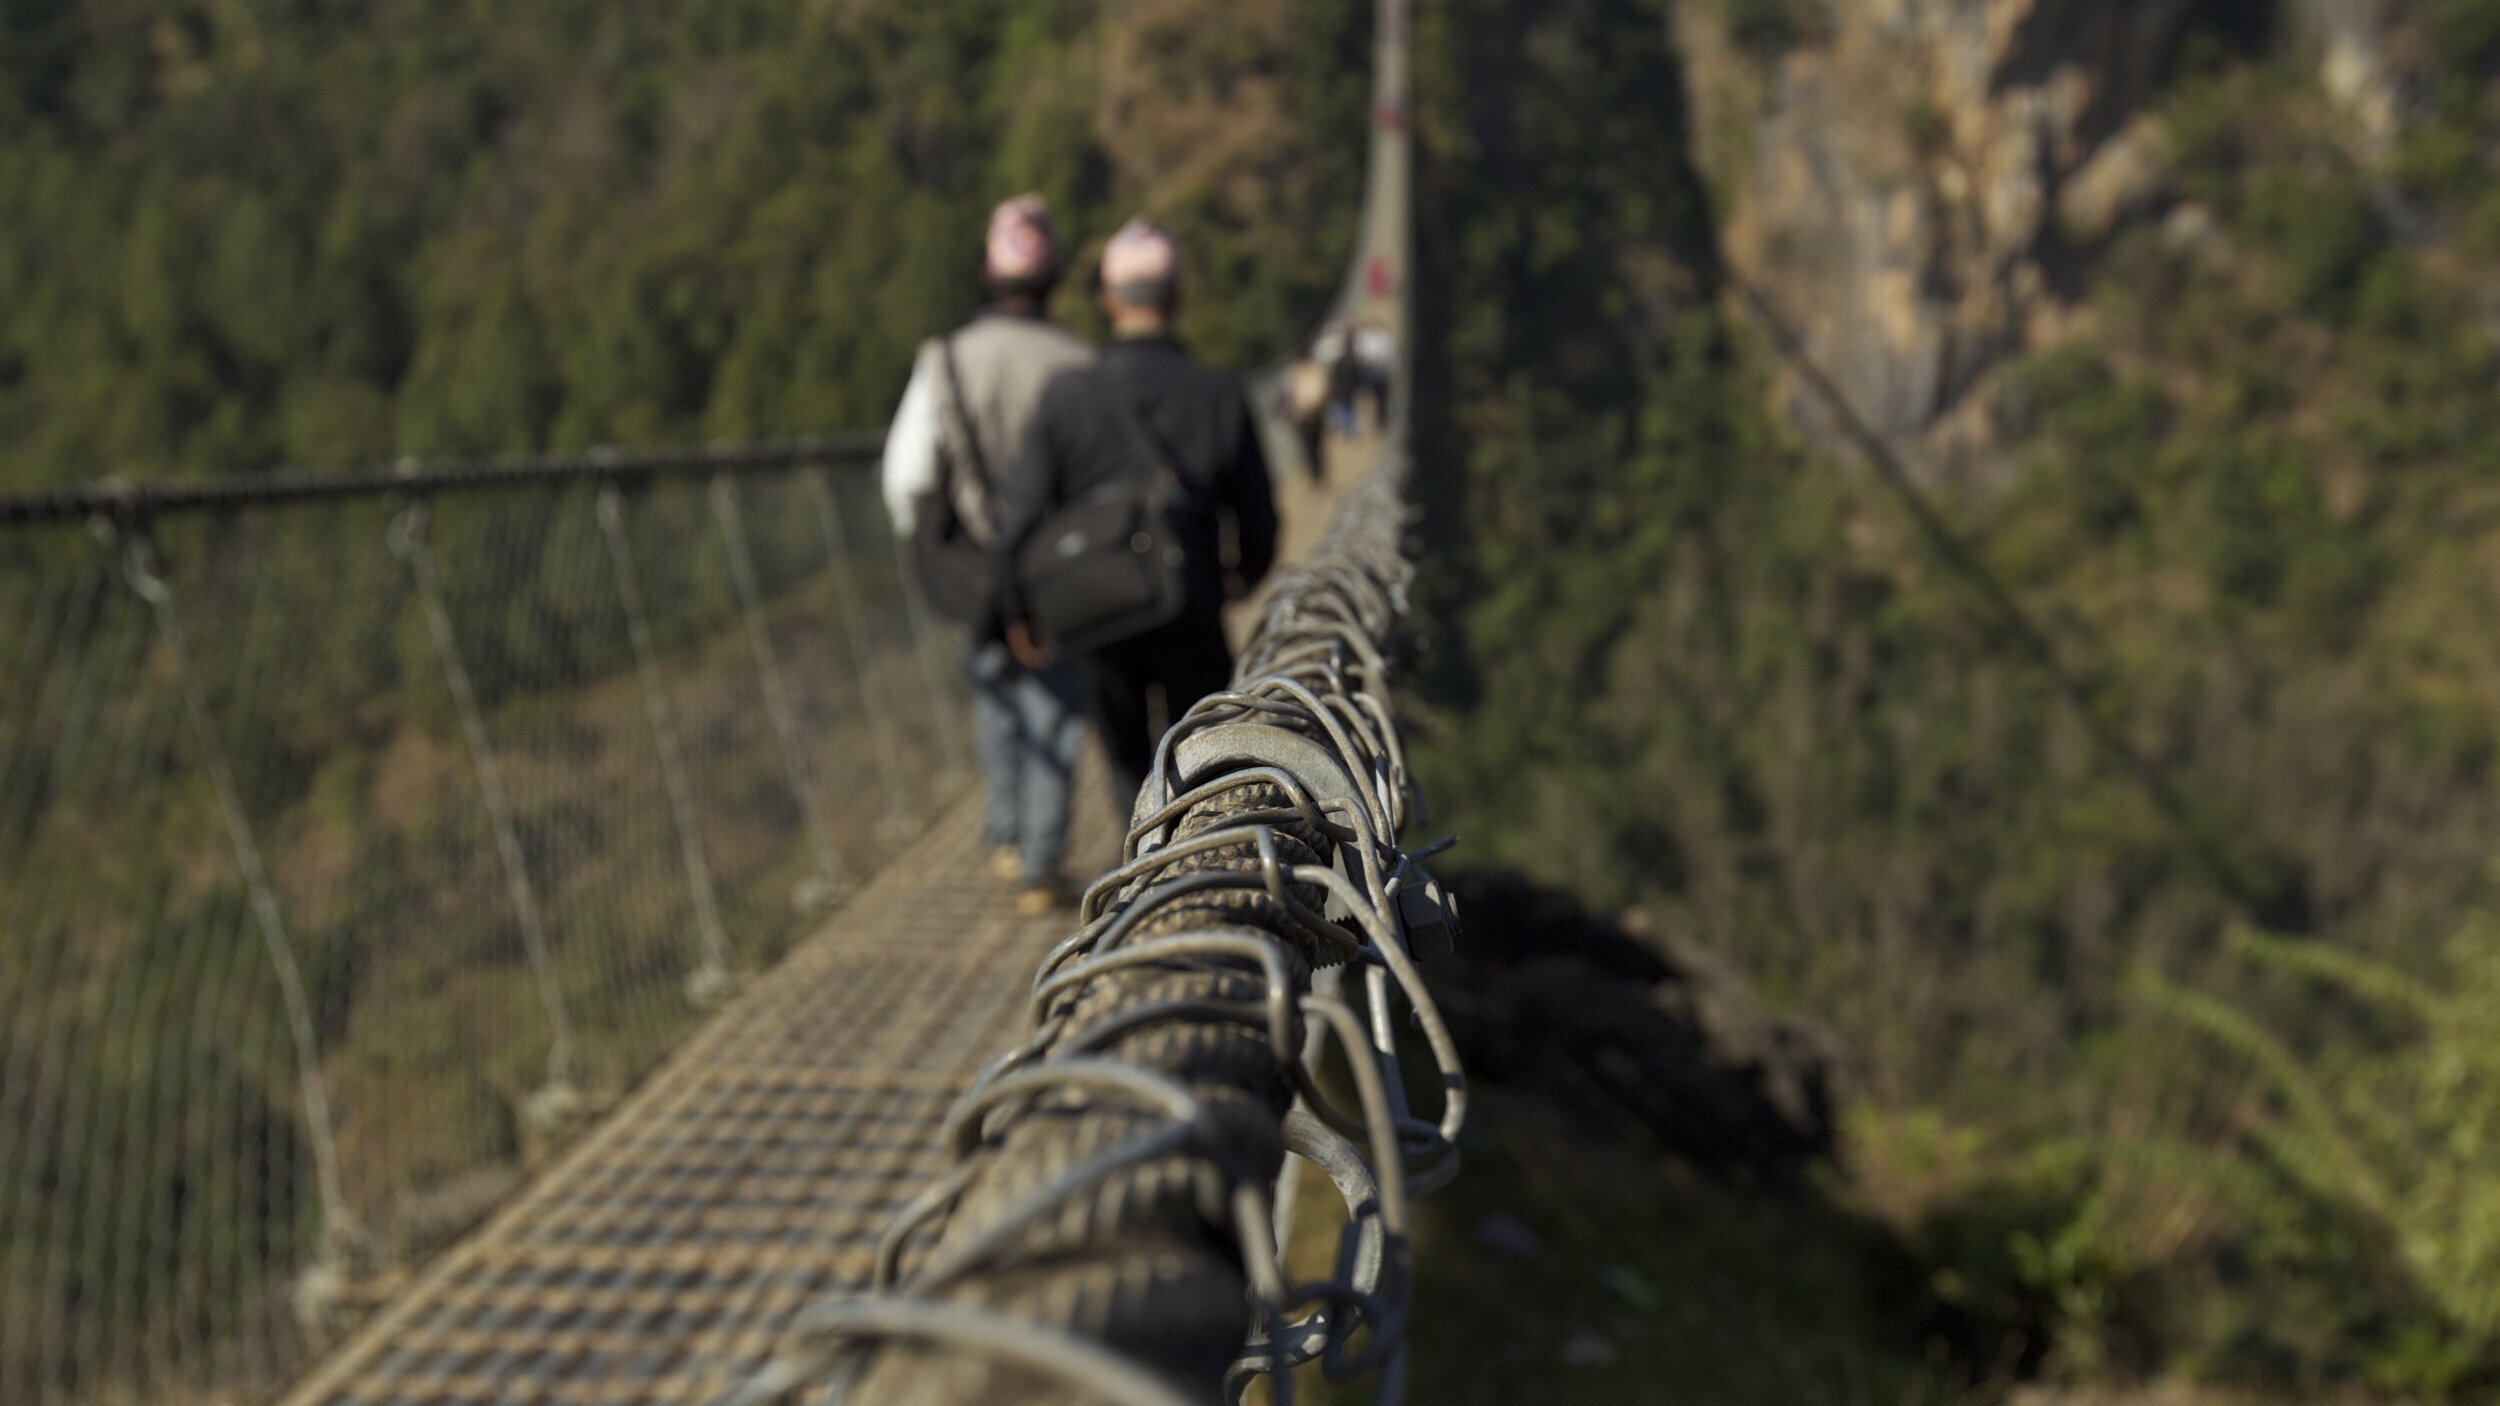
x=1637, y=1032
x=1649, y=1202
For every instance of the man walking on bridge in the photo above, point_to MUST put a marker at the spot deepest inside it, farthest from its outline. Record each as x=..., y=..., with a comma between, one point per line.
x=1149, y=409
x=963, y=416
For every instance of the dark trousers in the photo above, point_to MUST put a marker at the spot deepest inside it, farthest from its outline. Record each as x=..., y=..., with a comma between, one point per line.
x=1139, y=687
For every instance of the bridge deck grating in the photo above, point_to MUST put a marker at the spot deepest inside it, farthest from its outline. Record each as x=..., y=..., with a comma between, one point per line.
x=656, y=1261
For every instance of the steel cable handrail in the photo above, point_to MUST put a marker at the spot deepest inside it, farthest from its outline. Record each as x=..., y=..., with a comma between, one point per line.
x=125, y=500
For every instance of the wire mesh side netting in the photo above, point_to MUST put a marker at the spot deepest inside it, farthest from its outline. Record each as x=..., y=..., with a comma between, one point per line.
x=353, y=855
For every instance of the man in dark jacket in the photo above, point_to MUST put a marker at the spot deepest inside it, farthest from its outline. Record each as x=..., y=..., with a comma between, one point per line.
x=1198, y=420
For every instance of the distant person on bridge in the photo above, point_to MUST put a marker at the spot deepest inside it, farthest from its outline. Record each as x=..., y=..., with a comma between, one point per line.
x=1375, y=356
x=1304, y=405
x=1149, y=410
x=963, y=416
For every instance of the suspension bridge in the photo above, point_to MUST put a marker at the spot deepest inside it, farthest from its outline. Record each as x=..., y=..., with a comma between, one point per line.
x=519, y=931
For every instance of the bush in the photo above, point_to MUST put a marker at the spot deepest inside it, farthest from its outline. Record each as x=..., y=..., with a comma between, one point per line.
x=1924, y=122
x=2466, y=33
x=2441, y=161
x=2402, y=1135
x=2324, y=230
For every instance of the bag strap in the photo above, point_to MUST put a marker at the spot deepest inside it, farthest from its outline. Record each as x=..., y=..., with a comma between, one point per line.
x=1167, y=475
x=963, y=419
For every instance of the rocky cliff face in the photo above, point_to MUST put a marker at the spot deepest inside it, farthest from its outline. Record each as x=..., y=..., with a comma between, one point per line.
x=1921, y=187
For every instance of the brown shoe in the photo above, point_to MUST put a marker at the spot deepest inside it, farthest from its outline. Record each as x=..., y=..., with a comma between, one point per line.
x=1005, y=865
x=1040, y=900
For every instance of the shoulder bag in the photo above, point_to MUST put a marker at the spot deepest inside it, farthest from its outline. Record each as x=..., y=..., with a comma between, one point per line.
x=1107, y=567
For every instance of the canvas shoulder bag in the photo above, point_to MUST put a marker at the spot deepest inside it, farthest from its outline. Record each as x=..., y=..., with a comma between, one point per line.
x=1108, y=566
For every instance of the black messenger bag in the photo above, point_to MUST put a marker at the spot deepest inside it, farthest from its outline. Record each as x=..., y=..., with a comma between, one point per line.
x=1107, y=567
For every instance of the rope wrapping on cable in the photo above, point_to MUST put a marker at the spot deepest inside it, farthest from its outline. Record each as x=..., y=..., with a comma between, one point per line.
x=1114, y=1204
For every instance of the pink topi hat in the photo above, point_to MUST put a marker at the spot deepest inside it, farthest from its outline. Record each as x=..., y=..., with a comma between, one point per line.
x=1022, y=243
x=1142, y=252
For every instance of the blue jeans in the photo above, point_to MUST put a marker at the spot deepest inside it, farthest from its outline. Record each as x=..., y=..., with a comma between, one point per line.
x=1027, y=726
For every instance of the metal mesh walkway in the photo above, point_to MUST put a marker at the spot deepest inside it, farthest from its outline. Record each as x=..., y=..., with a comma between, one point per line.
x=657, y=1261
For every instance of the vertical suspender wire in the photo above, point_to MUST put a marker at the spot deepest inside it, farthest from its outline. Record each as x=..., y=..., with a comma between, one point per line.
x=41, y=693
x=256, y=1157
x=268, y=1337
x=179, y=1310
x=898, y=801
x=31, y=1098
x=239, y=1195
x=711, y=977
x=41, y=600
x=64, y=1123
x=338, y=1225
x=768, y=666
x=556, y=1102
x=942, y=712
x=107, y=1344
x=268, y=648
x=112, y=1347
x=189, y=1315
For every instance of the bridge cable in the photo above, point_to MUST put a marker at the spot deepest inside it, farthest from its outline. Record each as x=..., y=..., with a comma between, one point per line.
x=831, y=876
x=560, y=1098
x=712, y=977
x=2094, y=704
x=898, y=799
x=41, y=1092
x=140, y=570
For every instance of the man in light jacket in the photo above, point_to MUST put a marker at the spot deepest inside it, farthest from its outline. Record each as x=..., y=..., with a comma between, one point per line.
x=958, y=429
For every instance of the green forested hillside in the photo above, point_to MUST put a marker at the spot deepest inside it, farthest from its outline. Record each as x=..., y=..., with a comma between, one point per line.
x=234, y=234
x=1699, y=670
